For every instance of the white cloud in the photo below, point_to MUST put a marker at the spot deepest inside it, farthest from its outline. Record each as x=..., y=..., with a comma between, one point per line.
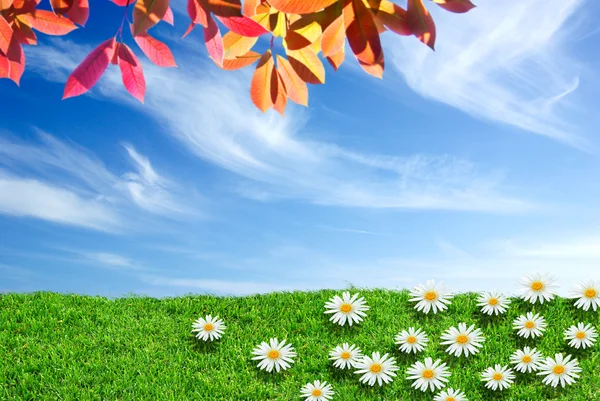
x=110, y=260
x=505, y=61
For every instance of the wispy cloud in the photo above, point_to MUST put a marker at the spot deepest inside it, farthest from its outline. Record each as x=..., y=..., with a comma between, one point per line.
x=506, y=61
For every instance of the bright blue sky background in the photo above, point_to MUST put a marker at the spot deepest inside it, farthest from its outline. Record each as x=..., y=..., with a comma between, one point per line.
x=474, y=164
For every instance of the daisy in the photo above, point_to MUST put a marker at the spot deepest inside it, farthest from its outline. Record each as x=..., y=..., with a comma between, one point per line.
x=498, y=377
x=431, y=296
x=462, y=340
x=376, y=368
x=450, y=395
x=527, y=360
x=412, y=340
x=317, y=391
x=208, y=328
x=559, y=369
x=274, y=355
x=429, y=374
x=345, y=356
x=538, y=287
x=588, y=294
x=581, y=336
x=492, y=302
x=530, y=325
x=346, y=308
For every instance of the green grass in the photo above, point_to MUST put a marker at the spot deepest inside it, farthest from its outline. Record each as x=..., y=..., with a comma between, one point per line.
x=72, y=347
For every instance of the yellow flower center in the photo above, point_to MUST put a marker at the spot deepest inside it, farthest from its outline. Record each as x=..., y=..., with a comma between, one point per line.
x=346, y=308
x=411, y=339
x=529, y=324
x=428, y=373
x=580, y=335
x=208, y=327
x=497, y=376
x=537, y=286
x=316, y=392
x=559, y=370
x=345, y=355
x=526, y=358
x=273, y=354
x=590, y=293
x=493, y=301
x=450, y=399
x=375, y=368
x=462, y=339
x=430, y=295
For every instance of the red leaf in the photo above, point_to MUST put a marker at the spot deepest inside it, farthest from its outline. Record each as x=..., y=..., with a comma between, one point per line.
x=158, y=52
x=25, y=6
x=214, y=41
x=455, y=6
x=79, y=12
x=240, y=61
x=243, y=26
x=4, y=67
x=85, y=76
x=147, y=13
x=197, y=12
x=6, y=35
x=16, y=60
x=131, y=72
x=115, y=58
x=300, y=6
x=61, y=6
x=122, y=3
x=168, y=18
x=23, y=33
x=51, y=24
x=420, y=22
x=362, y=33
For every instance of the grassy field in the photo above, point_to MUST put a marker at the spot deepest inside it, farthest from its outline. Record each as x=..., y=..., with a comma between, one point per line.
x=71, y=347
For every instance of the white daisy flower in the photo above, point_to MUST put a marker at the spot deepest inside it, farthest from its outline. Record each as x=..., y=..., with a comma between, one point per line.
x=431, y=296
x=498, y=378
x=530, y=325
x=493, y=302
x=559, y=370
x=527, y=359
x=376, y=368
x=538, y=287
x=208, y=328
x=346, y=308
x=429, y=374
x=317, y=391
x=345, y=356
x=463, y=340
x=274, y=355
x=450, y=395
x=412, y=340
x=588, y=294
x=581, y=336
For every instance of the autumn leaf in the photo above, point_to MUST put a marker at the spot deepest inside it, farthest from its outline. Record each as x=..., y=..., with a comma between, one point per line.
x=455, y=6
x=241, y=61
x=131, y=72
x=361, y=31
x=260, y=86
x=16, y=61
x=249, y=7
x=300, y=7
x=115, y=57
x=85, y=76
x=51, y=24
x=303, y=33
x=158, y=52
x=61, y=6
x=148, y=13
x=237, y=45
x=334, y=37
x=79, y=12
x=337, y=59
x=243, y=26
x=420, y=22
x=5, y=5
x=375, y=69
x=169, y=18
x=25, y=6
x=122, y=3
x=23, y=33
x=307, y=65
x=278, y=92
x=214, y=41
x=295, y=87
x=393, y=17
x=225, y=8
x=6, y=35
x=197, y=10
x=4, y=67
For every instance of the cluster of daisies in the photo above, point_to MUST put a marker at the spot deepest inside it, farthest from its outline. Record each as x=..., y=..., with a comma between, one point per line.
x=460, y=341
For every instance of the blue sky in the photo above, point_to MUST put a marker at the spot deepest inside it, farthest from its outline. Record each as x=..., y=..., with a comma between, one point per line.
x=474, y=164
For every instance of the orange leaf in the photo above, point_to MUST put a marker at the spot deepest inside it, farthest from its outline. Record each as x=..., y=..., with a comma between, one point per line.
x=226, y=8
x=361, y=31
x=214, y=41
x=240, y=61
x=337, y=59
x=51, y=24
x=147, y=13
x=455, y=6
x=374, y=69
x=237, y=45
x=61, y=6
x=295, y=87
x=85, y=76
x=249, y=7
x=131, y=72
x=158, y=52
x=300, y=6
x=278, y=92
x=24, y=33
x=307, y=65
x=260, y=87
x=16, y=60
x=393, y=17
x=79, y=12
x=334, y=37
x=420, y=22
x=5, y=4
x=6, y=35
